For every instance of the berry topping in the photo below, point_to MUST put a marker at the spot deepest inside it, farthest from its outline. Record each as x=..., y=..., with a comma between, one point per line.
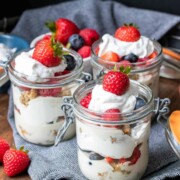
x=131, y=58
x=86, y=100
x=116, y=82
x=111, y=56
x=152, y=55
x=62, y=73
x=127, y=33
x=50, y=92
x=4, y=146
x=134, y=157
x=15, y=161
x=139, y=103
x=109, y=160
x=111, y=115
x=62, y=28
x=89, y=35
x=85, y=51
x=48, y=52
x=75, y=41
x=71, y=63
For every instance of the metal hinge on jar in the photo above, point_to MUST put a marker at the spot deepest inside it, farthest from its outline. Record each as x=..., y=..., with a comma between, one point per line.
x=69, y=118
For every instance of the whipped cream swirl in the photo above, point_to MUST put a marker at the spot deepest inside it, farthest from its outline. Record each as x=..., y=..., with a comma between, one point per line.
x=142, y=48
x=35, y=71
x=103, y=100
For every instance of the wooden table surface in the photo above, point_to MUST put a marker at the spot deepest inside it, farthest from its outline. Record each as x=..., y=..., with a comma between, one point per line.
x=167, y=88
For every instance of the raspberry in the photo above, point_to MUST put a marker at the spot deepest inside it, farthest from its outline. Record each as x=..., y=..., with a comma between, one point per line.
x=85, y=51
x=86, y=100
x=89, y=35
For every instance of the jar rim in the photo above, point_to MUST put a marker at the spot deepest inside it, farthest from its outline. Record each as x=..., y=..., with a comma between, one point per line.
x=130, y=117
x=22, y=79
x=151, y=62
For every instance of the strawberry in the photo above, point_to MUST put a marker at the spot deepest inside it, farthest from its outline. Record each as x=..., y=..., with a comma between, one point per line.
x=48, y=52
x=109, y=159
x=86, y=100
x=89, y=35
x=4, y=146
x=49, y=92
x=111, y=115
x=85, y=51
x=62, y=73
x=135, y=155
x=127, y=33
x=152, y=55
x=15, y=161
x=111, y=56
x=133, y=158
x=116, y=82
x=62, y=28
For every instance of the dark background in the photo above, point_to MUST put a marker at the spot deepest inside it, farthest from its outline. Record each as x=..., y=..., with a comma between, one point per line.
x=8, y=18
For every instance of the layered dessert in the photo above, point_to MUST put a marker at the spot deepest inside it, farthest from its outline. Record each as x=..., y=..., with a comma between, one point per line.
x=127, y=47
x=42, y=77
x=112, y=131
x=71, y=36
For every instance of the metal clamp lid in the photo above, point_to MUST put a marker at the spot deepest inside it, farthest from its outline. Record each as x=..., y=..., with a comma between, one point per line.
x=69, y=118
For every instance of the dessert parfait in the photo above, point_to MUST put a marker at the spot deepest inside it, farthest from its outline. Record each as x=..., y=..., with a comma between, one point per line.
x=71, y=36
x=41, y=78
x=113, y=117
x=128, y=47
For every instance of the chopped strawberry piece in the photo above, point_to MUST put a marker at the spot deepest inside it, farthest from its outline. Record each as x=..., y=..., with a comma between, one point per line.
x=111, y=56
x=109, y=159
x=62, y=73
x=125, y=63
x=153, y=55
x=111, y=115
x=135, y=155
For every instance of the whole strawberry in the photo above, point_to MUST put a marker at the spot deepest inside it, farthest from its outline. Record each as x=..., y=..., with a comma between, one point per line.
x=15, y=161
x=116, y=82
x=48, y=52
x=4, y=146
x=62, y=28
x=128, y=33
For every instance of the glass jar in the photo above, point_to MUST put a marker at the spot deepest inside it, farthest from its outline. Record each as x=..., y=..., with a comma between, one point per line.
x=146, y=72
x=37, y=102
x=113, y=149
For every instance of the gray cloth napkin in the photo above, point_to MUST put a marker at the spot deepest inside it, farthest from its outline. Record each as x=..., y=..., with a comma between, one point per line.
x=53, y=163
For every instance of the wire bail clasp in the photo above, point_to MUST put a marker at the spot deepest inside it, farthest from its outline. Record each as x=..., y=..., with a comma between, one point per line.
x=161, y=109
x=67, y=108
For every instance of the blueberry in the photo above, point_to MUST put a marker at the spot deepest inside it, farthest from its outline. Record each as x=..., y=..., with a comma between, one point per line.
x=139, y=103
x=131, y=58
x=95, y=156
x=76, y=41
x=71, y=63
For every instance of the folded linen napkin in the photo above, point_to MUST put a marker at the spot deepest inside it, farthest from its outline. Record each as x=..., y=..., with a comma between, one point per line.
x=53, y=163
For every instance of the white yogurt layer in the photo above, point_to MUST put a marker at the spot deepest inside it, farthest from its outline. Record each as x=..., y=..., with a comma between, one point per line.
x=142, y=48
x=114, y=143
x=35, y=70
x=39, y=121
x=103, y=100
